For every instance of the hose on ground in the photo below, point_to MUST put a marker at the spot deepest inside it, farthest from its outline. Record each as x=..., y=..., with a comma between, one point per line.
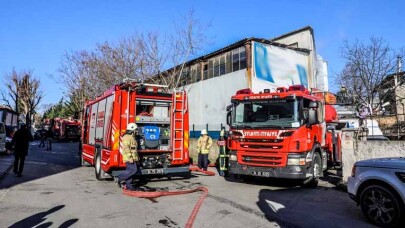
x=151, y=195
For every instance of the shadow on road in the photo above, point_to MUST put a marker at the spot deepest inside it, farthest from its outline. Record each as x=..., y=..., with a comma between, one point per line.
x=40, y=217
x=41, y=163
x=319, y=207
x=289, y=204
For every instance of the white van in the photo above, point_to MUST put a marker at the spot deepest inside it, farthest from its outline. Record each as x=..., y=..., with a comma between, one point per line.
x=2, y=137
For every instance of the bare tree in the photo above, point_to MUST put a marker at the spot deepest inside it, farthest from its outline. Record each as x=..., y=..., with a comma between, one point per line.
x=23, y=89
x=188, y=39
x=142, y=56
x=367, y=65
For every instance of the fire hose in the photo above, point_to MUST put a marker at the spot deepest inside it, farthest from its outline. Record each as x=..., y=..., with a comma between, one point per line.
x=151, y=195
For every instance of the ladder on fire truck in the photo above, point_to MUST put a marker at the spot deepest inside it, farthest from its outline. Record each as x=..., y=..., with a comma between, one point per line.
x=179, y=110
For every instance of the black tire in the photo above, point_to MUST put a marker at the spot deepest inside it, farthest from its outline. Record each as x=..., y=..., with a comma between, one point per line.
x=381, y=206
x=100, y=174
x=316, y=169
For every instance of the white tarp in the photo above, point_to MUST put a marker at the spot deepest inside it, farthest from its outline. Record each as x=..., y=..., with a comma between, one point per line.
x=278, y=67
x=208, y=99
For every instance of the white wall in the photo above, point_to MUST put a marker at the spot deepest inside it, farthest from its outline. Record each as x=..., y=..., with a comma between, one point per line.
x=208, y=99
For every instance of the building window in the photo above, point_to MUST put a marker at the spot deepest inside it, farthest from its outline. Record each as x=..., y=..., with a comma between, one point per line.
x=228, y=63
x=210, y=69
x=205, y=71
x=185, y=77
x=216, y=67
x=235, y=59
x=222, y=65
x=242, y=57
x=238, y=59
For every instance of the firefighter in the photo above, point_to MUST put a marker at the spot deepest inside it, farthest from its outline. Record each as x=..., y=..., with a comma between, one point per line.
x=223, y=155
x=204, y=144
x=130, y=156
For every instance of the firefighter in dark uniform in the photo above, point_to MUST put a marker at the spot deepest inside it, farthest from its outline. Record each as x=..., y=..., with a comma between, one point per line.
x=130, y=156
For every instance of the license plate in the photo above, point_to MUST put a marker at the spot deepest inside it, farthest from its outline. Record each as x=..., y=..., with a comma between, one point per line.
x=261, y=173
x=152, y=171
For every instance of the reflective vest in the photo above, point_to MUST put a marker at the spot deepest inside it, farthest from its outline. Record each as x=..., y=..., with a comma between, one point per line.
x=204, y=144
x=129, y=148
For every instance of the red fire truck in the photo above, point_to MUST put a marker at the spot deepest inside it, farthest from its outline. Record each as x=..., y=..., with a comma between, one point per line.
x=69, y=130
x=162, y=119
x=289, y=134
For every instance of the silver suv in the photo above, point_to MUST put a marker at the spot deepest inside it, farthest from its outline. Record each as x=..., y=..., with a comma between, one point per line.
x=378, y=186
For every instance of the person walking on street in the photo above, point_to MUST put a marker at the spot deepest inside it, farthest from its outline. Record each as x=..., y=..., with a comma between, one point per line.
x=20, y=142
x=204, y=144
x=129, y=151
x=49, y=136
x=42, y=137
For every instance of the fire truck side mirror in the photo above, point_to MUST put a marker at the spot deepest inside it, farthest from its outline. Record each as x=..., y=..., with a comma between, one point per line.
x=312, y=117
x=228, y=118
x=229, y=108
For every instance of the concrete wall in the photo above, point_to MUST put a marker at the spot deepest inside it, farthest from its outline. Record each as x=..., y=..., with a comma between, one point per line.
x=356, y=150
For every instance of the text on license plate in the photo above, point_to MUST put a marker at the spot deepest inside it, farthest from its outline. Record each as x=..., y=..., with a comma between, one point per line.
x=152, y=171
x=261, y=173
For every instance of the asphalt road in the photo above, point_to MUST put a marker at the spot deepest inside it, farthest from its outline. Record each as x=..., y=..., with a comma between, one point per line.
x=55, y=192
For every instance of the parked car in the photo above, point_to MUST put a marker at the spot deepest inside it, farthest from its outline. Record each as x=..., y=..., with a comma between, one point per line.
x=378, y=187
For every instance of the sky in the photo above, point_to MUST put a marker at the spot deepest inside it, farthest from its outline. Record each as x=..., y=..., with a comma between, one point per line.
x=35, y=35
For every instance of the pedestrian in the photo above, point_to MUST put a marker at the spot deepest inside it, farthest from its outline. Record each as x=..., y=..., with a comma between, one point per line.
x=42, y=137
x=204, y=144
x=49, y=136
x=20, y=142
x=130, y=156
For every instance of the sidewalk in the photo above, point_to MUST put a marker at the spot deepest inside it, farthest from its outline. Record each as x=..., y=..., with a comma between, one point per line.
x=6, y=163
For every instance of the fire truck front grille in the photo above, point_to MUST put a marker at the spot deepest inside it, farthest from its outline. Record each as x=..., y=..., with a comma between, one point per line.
x=266, y=144
x=262, y=140
x=262, y=159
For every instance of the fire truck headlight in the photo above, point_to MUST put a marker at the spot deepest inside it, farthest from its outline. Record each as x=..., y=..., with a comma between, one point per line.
x=233, y=157
x=296, y=161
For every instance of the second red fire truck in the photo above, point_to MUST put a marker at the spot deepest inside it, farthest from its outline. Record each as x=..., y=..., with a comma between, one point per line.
x=289, y=133
x=162, y=120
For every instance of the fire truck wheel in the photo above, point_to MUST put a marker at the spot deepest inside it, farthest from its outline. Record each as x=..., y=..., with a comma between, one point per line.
x=100, y=174
x=312, y=182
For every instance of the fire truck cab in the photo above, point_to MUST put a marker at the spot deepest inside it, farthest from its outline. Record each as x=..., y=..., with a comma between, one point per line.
x=162, y=120
x=283, y=134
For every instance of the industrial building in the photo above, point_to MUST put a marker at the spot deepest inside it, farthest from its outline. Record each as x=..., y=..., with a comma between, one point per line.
x=254, y=63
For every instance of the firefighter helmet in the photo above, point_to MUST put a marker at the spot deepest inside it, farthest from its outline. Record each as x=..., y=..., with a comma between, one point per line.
x=132, y=127
x=203, y=132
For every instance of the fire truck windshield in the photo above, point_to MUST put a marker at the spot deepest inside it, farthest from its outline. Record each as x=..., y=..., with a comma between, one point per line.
x=278, y=114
